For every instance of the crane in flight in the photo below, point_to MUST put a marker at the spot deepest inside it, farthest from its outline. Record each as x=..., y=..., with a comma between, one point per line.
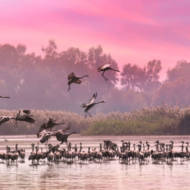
x=91, y=104
x=72, y=78
x=24, y=115
x=104, y=68
x=61, y=135
x=49, y=125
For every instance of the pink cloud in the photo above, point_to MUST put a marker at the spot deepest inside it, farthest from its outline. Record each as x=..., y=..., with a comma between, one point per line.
x=132, y=31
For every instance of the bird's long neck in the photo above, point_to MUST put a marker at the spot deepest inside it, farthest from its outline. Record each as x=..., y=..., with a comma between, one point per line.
x=32, y=147
x=84, y=76
x=99, y=102
x=18, y=114
x=115, y=70
x=59, y=123
x=5, y=97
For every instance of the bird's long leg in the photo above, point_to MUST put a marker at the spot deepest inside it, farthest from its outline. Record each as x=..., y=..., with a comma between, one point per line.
x=69, y=87
x=46, y=145
x=15, y=123
x=104, y=76
x=89, y=114
x=17, y=117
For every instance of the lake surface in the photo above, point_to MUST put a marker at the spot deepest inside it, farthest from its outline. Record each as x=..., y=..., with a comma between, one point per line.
x=106, y=175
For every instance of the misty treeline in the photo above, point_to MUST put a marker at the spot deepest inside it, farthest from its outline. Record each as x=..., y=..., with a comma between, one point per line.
x=163, y=120
x=40, y=82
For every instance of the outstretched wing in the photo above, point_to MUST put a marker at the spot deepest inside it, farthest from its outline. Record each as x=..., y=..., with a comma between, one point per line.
x=49, y=125
x=42, y=127
x=29, y=119
x=102, y=67
x=45, y=137
x=61, y=136
x=106, y=66
x=4, y=119
x=25, y=118
x=92, y=100
x=52, y=122
x=27, y=111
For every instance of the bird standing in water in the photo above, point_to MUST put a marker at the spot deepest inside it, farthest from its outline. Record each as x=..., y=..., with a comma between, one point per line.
x=104, y=68
x=72, y=78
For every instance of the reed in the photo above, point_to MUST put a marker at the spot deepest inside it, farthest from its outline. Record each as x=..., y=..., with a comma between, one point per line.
x=148, y=121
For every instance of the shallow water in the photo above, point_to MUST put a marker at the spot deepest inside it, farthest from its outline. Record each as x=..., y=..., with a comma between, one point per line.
x=107, y=175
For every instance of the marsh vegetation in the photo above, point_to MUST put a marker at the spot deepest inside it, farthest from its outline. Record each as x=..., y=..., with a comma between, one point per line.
x=156, y=121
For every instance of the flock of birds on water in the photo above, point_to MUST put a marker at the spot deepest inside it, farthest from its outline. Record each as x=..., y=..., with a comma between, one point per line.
x=128, y=152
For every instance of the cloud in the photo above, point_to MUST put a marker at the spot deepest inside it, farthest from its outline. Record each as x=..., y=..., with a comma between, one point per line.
x=130, y=30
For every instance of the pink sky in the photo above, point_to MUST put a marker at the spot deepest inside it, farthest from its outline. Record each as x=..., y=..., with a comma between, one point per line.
x=131, y=31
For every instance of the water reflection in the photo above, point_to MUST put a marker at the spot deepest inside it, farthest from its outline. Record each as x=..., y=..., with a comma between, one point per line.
x=95, y=176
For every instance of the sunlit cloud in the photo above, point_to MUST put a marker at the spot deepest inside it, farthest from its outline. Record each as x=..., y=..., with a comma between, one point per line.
x=131, y=31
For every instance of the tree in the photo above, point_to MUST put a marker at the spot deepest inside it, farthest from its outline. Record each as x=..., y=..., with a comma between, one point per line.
x=142, y=79
x=152, y=70
x=50, y=50
x=176, y=89
x=182, y=69
x=133, y=77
